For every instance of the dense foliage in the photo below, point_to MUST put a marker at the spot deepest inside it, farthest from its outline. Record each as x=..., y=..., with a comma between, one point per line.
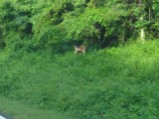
x=51, y=23
x=115, y=82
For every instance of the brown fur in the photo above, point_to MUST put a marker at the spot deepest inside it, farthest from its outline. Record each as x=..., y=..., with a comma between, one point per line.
x=80, y=49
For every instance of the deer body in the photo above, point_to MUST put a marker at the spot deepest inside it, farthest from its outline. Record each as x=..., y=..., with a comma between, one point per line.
x=80, y=49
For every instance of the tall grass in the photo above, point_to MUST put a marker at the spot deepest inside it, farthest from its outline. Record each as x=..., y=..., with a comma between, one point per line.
x=117, y=83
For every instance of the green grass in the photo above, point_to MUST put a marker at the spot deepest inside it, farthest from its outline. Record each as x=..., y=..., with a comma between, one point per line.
x=18, y=110
x=114, y=83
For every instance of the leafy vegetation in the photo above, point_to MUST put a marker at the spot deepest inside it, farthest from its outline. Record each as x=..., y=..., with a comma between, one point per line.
x=113, y=83
x=116, y=78
x=97, y=23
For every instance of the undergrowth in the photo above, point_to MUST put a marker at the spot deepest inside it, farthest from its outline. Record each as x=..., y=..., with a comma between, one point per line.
x=114, y=83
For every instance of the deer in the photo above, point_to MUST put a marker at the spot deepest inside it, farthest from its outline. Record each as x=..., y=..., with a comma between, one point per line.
x=80, y=49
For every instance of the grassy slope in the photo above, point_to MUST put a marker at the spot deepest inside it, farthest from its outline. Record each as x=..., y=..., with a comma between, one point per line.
x=113, y=83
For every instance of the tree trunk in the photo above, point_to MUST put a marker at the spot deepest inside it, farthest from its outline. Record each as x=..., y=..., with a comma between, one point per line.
x=142, y=31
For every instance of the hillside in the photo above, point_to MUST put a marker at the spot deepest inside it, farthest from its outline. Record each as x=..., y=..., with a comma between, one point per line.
x=117, y=77
x=117, y=82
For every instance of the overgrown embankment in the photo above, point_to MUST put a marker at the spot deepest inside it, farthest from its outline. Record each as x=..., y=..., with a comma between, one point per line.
x=118, y=82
